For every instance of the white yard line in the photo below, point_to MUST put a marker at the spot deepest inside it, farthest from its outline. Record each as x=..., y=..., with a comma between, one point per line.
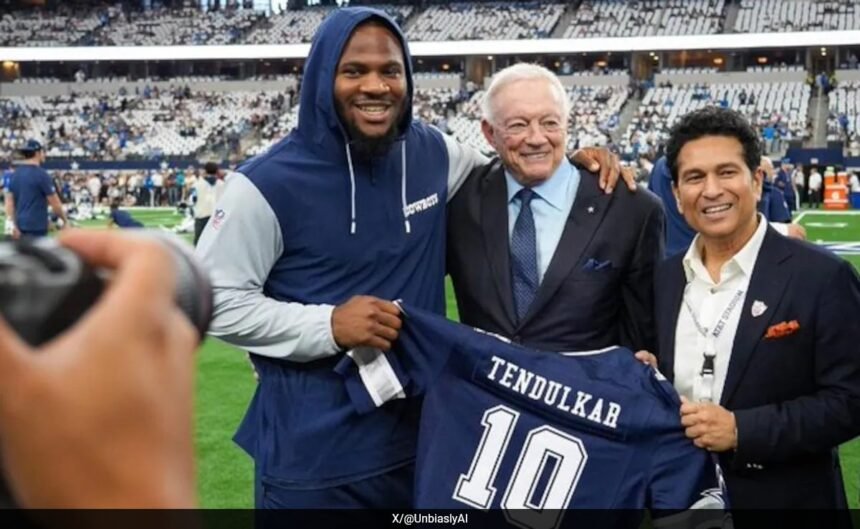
x=827, y=212
x=847, y=247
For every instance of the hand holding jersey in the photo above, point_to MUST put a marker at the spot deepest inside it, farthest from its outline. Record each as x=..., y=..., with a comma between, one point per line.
x=709, y=425
x=365, y=321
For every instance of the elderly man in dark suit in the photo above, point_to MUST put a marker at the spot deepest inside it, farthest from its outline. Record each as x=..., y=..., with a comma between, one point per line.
x=752, y=328
x=536, y=251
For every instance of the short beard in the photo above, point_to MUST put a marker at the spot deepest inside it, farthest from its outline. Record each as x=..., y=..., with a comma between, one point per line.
x=366, y=147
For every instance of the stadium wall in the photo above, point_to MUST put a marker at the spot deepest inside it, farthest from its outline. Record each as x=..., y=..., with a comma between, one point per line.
x=820, y=157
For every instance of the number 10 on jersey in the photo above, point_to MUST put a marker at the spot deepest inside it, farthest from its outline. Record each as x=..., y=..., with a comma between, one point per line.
x=545, y=450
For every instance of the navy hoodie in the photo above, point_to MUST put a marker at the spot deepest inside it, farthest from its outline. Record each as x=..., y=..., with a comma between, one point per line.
x=303, y=228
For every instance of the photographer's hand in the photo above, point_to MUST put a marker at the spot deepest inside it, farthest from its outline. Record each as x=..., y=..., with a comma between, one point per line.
x=102, y=415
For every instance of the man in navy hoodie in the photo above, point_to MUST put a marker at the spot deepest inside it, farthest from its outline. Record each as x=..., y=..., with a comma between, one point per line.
x=313, y=237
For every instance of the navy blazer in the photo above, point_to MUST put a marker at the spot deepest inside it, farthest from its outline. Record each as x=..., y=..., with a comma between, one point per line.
x=795, y=397
x=598, y=288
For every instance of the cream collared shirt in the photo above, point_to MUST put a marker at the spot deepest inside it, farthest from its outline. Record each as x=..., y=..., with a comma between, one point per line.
x=709, y=301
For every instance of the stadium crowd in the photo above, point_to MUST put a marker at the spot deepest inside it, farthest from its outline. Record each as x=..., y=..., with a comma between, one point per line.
x=157, y=187
x=621, y=18
x=149, y=122
x=780, y=111
x=118, y=24
x=763, y=16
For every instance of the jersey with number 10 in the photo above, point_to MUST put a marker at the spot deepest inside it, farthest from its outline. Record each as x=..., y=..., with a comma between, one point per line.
x=534, y=432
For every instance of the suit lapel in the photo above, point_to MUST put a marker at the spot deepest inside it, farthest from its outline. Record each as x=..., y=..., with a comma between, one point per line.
x=768, y=284
x=589, y=208
x=494, y=226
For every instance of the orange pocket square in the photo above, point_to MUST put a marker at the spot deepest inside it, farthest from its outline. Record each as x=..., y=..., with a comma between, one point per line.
x=782, y=329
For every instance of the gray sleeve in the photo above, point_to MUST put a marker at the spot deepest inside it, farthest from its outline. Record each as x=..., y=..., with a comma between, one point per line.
x=462, y=159
x=239, y=250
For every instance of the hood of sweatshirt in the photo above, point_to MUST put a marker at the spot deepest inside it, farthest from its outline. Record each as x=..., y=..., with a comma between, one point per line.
x=318, y=120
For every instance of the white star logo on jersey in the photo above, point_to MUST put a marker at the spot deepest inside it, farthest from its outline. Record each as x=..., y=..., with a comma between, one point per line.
x=710, y=499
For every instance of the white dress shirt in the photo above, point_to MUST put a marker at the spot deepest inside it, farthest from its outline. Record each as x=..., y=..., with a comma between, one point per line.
x=710, y=301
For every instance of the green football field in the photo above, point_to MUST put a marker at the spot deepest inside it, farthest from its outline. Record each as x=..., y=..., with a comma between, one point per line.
x=225, y=382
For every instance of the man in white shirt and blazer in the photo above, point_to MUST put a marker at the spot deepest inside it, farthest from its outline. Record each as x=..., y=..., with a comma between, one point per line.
x=753, y=328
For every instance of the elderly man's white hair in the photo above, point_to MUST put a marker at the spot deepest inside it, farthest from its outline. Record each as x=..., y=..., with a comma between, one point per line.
x=523, y=71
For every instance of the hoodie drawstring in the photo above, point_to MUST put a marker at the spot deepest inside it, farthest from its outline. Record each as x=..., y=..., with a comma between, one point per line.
x=351, y=190
x=352, y=226
x=403, y=187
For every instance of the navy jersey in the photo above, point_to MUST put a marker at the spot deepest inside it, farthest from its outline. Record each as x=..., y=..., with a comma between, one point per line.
x=534, y=432
x=31, y=186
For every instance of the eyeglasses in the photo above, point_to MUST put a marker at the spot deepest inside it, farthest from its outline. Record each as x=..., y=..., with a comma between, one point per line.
x=520, y=127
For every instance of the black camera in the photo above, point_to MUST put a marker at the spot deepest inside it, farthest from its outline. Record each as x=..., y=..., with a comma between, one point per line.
x=45, y=287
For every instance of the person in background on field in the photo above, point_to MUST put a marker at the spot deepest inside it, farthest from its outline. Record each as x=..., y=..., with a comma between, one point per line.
x=121, y=218
x=30, y=192
x=209, y=189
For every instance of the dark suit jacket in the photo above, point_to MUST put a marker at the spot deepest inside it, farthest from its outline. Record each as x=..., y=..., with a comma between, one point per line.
x=598, y=288
x=795, y=398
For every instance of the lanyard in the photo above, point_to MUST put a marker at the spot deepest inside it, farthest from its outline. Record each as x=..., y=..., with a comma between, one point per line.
x=706, y=374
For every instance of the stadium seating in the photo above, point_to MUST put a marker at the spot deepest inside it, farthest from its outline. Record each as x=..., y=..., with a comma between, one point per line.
x=179, y=121
x=783, y=106
x=180, y=26
x=82, y=126
x=149, y=127
x=844, y=100
x=622, y=18
x=276, y=127
x=38, y=28
x=780, y=68
x=450, y=21
x=466, y=21
x=763, y=16
x=299, y=26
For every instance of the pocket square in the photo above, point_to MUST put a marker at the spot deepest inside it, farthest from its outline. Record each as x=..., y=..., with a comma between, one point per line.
x=594, y=264
x=782, y=329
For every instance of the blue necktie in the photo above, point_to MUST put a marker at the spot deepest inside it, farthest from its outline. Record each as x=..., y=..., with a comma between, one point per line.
x=524, y=268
